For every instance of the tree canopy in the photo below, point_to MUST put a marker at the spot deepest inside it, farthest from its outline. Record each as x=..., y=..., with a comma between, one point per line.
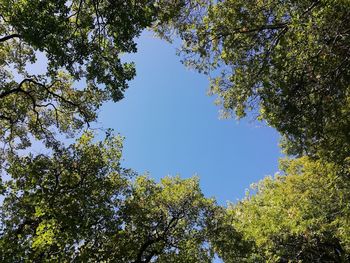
x=300, y=215
x=80, y=40
x=286, y=61
x=80, y=205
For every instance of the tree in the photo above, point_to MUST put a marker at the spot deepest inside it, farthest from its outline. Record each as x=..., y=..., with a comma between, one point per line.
x=287, y=60
x=55, y=207
x=80, y=205
x=301, y=215
x=81, y=40
x=165, y=222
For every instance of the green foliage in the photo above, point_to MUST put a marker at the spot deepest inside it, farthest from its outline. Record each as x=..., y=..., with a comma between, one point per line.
x=301, y=216
x=165, y=222
x=62, y=206
x=80, y=205
x=288, y=61
x=81, y=41
x=227, y=242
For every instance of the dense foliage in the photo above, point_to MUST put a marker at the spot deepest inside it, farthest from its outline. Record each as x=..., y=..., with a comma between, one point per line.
x=288, y=61
x=80, y=205
x=81, y=41
x=300, y=215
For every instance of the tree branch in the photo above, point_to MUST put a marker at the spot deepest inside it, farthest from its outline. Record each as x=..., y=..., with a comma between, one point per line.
x=8, y=37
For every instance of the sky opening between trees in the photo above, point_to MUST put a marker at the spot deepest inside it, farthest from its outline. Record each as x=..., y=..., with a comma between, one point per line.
x=286, y=63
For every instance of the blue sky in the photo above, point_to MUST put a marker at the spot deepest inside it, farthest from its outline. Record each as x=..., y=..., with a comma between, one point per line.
x=172, y=127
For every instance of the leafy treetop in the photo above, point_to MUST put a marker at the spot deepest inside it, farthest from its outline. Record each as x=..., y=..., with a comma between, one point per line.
x=300, y=216
x=80, y=205
x=287, y=60
x=81, y=41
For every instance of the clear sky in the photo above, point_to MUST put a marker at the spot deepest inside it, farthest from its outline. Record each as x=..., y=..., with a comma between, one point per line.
x=172, y=127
